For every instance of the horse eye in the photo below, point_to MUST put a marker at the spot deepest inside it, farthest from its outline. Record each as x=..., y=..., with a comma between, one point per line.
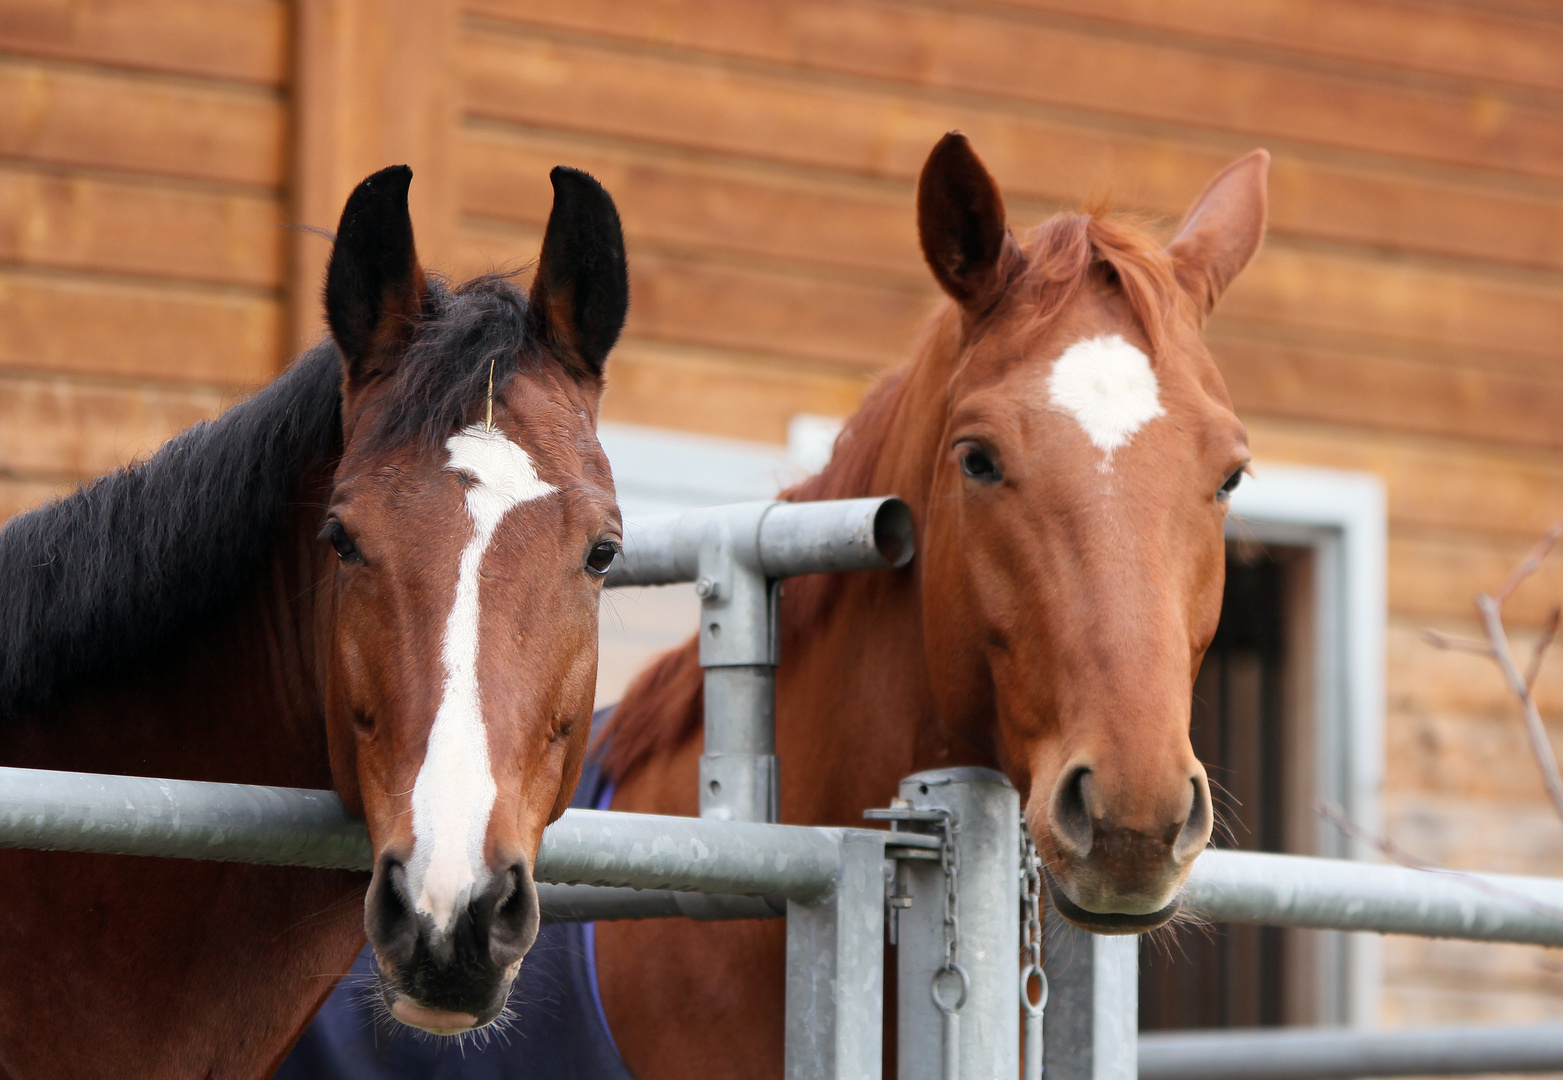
x=1230, y=485
x=601, y=556
x=979, y=465
x=336, y=533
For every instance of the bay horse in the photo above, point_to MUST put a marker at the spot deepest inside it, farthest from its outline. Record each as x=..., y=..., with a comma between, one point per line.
x=1067, y=447
x=379, y=574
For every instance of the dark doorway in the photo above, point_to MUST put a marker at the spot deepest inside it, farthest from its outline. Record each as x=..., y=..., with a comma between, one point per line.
x=1250, y=733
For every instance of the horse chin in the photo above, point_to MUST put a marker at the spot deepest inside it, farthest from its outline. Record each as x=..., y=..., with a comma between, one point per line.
x=1107, y=922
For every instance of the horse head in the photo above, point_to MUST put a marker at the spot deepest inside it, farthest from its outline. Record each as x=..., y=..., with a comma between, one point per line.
x=470, y=522
x=1072, y=549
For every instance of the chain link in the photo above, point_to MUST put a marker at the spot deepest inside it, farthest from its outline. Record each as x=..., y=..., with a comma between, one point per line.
x=1031, y=911
x=950, y=1019
x=1031, y=951
x=950, y=862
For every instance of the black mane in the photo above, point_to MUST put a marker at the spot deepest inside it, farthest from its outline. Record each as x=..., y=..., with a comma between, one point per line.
x=135, y=560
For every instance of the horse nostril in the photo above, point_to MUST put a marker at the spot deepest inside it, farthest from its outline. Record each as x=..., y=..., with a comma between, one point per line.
x=1071, y=814
x=388, y=917
x=1195, y=834
x=512, y=915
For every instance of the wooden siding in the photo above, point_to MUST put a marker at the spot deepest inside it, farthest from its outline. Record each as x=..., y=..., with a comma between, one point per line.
x=1405, y=316
x=142, y=153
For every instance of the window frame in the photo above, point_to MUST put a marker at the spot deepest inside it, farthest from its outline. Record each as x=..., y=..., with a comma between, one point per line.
x=1341, y=516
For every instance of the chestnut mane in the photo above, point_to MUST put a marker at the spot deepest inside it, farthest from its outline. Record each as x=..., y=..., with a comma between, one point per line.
x=662, y=707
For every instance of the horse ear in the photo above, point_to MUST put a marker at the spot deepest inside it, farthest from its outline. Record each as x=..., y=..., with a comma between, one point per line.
x=582, y=289
x=960, y=221
x=1222, y=230
x=375, y=289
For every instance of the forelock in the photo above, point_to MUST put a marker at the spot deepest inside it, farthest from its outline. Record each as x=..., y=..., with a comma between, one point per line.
x=470, y=334
x=1062, y=251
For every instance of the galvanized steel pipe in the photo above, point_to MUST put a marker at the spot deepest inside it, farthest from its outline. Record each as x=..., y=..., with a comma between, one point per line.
x=1333, y=894
x=648, y=851
x=587, y=903
x=793, y=538
x=1337, y=1054
x=132, y=815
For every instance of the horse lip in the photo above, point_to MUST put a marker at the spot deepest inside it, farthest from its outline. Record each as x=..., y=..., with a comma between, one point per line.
x=437, y=1021
x=434, y=1021
x=1107, y=922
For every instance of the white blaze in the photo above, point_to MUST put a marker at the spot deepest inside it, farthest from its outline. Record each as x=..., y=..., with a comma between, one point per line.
x=1108, y=386
x=454, y=793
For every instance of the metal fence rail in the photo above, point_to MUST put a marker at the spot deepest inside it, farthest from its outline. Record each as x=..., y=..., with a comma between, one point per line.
x=1333, y=1054
x=656, y=856
x=1334, y=894
x=131, y=815
x=780, y=539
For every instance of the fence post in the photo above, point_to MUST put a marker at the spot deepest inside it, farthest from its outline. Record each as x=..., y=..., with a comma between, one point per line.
x=836, y=971
x=986, y=810
x=1091, y=1027
x=736, y=556
x=738, y=771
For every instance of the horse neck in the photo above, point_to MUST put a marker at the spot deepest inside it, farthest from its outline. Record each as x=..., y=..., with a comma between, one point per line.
x=854, y=708
x=238, y=700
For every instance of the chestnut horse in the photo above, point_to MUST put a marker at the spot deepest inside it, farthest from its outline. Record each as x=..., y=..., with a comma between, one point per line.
x=380, y=574
x=1067, y=447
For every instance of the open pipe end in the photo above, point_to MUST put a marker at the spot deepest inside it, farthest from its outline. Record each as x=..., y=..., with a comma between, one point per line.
x=893, y=533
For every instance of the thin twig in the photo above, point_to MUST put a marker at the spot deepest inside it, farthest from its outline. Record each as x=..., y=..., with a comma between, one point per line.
x=1535, y=730
x=1490, y=607
x=1529, y=564
x=1440, y=640
x=1548, y=632
x=1336, y=815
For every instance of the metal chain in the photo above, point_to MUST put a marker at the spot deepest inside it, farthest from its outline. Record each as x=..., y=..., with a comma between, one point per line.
x=950, y=862
x=1031, y=951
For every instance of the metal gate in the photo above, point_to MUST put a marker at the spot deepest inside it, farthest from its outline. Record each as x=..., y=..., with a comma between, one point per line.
x=949, y=871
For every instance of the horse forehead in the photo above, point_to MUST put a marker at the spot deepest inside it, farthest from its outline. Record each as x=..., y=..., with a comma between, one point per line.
x=1108, y=386
x=500, y=472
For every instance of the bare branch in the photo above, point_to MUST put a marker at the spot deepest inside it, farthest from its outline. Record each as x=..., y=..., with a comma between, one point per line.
x=1490, y=607
x=1440, y=640
x=1335, y=814
x=1548, y=632
x=1529, y=564
x=1535, y=730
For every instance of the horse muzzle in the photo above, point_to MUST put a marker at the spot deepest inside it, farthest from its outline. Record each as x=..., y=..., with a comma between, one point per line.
x=1108, y=922
x=1117, y=867
x=453, y=978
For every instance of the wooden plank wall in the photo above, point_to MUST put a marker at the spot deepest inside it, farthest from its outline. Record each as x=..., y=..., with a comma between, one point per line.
x=142, y=152
x=1405, y=317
